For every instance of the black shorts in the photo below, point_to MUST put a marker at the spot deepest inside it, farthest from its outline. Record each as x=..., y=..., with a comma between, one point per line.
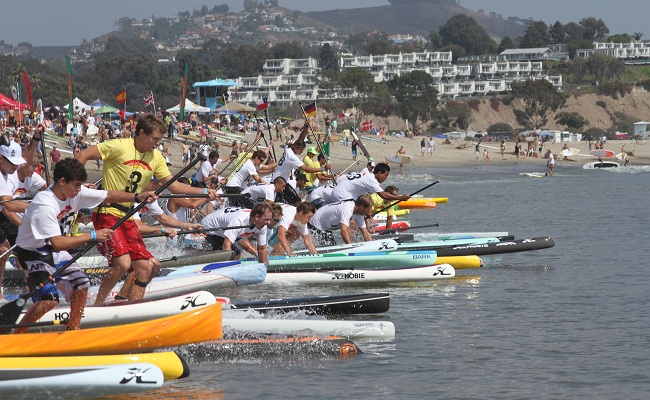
x=236, y=201
x=217, y=244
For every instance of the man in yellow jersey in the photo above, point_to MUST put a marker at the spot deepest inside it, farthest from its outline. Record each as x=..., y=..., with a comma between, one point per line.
x=378, y=203
x=320, y=163
x=129, y=165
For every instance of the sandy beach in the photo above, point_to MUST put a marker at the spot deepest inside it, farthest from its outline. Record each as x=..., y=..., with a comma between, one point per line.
x=458, y=155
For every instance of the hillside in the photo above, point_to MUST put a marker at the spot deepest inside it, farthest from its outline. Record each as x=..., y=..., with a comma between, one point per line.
x=417, y=18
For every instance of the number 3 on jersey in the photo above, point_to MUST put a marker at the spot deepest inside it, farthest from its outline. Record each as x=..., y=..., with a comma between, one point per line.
x=134, y=179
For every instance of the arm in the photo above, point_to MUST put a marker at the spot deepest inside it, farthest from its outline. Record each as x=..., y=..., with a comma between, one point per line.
x=257, y=178
x=282, y=238
x=117, y=196
x=16, y=206
x=263, y=254
x=181, y=188
x=145, y=229
x=389, y=222
x=312, y=170
x=60, y=243
x=390, y=196
x=345, y=233
x=90, y=153
x=172, y=222
x=366, y=234
x=309, y=244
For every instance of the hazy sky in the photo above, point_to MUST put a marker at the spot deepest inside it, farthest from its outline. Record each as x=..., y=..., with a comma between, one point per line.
x=68, y=22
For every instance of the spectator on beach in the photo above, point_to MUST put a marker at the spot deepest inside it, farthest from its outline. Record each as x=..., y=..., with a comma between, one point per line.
x=517, y=149
x=423, y=147
x=354, y=149
x=432, y=147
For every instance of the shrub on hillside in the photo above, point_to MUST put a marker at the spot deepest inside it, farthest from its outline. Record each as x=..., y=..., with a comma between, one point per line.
x=474, y=104
x=601, y=103
x=494, y=103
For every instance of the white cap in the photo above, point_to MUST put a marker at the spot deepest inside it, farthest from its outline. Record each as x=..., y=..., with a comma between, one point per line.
x=13, y=153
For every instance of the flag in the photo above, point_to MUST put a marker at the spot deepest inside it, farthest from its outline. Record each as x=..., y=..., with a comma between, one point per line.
x=70, y=105
x=122, y=114
x=121, y=97
x=181, y=113
x=28, y=89
x=14, y=91
x=310, y=110
x=344, y=115
x=366, y=126
x=148, y=100
x=263, y=103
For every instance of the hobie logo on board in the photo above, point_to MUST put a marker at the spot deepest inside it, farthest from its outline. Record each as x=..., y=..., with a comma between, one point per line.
x=191, y=302
x=136, y=373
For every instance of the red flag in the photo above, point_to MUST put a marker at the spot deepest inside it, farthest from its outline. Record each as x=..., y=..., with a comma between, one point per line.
x=122, y=114
x=181, y=114
x=263, y=103
x=28, y=87
x=121, y=97
x=366, y=126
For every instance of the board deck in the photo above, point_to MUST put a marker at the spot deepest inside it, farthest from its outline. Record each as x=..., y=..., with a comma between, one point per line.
x=400, y=159
x=602, y=153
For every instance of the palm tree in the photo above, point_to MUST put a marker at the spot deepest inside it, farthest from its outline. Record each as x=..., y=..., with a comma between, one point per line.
x=637, y=36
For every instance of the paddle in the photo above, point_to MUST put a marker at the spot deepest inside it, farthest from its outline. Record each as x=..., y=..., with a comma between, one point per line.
x=268, y=125
x=45, y=167
x=10, y=312
x=7, y=252
x=26, y=198
x=200, y=196
x=152, y=235
x=412, y=194
x=34, y=324
x=391, y=231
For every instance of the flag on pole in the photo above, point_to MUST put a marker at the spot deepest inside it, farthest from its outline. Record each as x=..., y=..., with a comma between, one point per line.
x=181, y=113
x=367, y=125
x=148, y=100
x=14, y=91
x=70, y=105
x=310, y=110
x=28, y=89
x=263, y=103
x=121, y=97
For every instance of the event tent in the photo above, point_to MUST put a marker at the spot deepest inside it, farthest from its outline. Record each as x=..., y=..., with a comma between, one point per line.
x=190, y=107
x=106, y=109
x=78, y=104
x=233, y=106
x=10, y=103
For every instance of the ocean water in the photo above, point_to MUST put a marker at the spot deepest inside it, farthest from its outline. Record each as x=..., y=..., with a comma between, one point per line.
x=572, y=321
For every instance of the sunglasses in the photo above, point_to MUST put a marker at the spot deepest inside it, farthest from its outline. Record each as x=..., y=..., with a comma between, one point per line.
x=276, y=219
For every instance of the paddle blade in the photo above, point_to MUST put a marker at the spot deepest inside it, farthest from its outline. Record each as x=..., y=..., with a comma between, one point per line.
x=10, y=312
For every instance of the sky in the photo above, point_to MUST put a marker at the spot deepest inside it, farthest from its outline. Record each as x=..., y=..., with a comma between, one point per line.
x=68, y=22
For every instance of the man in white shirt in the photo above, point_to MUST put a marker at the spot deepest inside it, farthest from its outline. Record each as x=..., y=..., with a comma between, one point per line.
x=339, y=216
x=290, y=161
x=258, y=218
x=321, y=195
x=239, y=179
x=293, y=225
x=432, y=147
x=43, y=240
x=264, y=191
x=207, y=170
x=351, y=186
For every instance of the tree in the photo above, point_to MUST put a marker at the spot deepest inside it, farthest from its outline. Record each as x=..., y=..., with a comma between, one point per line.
x=506, y=43
x=464, y=31
x=435, y=40
x=557, y=32
x=604, y=68
x=360, y=89
x=620, y=38
x=250, y=5
x=416, y=95
x=536, y=35
x=533, y=100
x=500, y=128
x=637, y=36
x=595, y=29
x=571, y=120
x=453, y=115
x=328, y=58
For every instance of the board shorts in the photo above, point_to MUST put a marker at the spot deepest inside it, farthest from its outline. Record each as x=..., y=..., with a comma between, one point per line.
x=126, y=239
x=41, y=264
x=322, y=238
x=217, y=241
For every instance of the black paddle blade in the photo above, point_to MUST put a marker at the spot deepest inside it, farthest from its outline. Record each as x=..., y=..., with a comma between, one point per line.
x=10, y=312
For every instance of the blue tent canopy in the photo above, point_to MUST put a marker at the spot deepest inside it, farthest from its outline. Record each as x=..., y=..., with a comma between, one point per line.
x=216, y=82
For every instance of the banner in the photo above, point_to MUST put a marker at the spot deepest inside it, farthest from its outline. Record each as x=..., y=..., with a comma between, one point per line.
x=28, y=89
x=262, y=104
x=14, y=91
x=182, y=108
x=70, y=106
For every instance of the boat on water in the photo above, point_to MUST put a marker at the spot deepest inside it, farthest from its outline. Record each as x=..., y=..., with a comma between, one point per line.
x=140, y=336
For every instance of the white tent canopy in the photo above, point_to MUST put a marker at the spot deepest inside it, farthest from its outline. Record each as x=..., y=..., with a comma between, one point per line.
x=190, y=107
x=78, y=103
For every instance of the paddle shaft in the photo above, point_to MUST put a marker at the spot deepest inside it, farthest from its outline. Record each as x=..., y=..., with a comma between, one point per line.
x=200, y=196
x=268, y=125
x=320, y=145
x=22, y=300
x=242, y=159
x=47, y=169
x=34, y=324
x=412, y=194
x=151, y=235
x=390, y=231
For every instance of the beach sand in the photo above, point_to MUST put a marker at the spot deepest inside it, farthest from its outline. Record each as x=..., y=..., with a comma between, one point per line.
x=459, y=155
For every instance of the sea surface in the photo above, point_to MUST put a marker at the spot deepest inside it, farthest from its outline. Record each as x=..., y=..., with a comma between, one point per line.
x=572, y=321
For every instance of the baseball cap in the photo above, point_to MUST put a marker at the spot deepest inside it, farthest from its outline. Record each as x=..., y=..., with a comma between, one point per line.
x=372, y=164
x=312, y=150
x=13, y=153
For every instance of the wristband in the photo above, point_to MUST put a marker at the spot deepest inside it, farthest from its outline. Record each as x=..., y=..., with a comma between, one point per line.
x=204, y=191
x=162, y=229
x=93, y=235
x=135, y=197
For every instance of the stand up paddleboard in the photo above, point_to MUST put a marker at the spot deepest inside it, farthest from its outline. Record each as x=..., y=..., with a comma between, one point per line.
x=399, y=159
x=602, y=153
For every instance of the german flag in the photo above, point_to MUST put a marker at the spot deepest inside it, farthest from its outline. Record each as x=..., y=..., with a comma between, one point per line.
x=310, y=110
x=121, y=97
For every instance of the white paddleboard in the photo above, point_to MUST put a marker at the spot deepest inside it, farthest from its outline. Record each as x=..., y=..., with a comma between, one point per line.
x=399, y=159
x=351, y=329
x=360, y=277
